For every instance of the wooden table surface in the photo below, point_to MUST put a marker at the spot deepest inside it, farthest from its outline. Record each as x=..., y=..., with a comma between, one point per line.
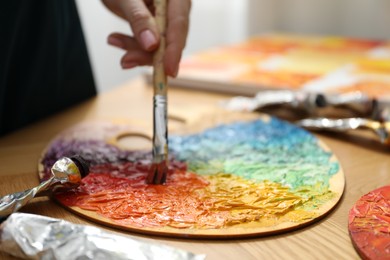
x=365, y=162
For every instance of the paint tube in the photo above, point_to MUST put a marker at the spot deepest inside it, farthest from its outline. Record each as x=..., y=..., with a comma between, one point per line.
x=315, y=104
x=31, y=236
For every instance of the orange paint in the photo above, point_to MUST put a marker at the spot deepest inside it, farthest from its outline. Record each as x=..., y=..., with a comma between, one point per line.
x=187, y=200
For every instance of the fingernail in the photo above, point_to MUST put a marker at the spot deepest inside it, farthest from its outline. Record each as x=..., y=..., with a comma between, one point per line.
x=176, y=71
x=129, y=64
x=115, y=42
x=173, y=71
x=148, y=40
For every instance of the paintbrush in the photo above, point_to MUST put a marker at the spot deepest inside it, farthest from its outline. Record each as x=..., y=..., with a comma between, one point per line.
x=159, y=168
x=66, y=173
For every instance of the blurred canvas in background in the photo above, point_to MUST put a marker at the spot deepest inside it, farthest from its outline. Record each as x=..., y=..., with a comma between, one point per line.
x=223, y=22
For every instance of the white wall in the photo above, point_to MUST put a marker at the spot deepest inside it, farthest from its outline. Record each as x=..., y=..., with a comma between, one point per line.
x=98, y=23
x=213, y=22
x=358, y=18
x=216, y=22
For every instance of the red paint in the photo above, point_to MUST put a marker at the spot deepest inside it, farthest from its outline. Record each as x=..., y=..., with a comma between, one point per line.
x=369, y=224
x=119, y=192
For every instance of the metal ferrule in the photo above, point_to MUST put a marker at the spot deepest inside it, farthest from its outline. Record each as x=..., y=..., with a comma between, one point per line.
x=160, y=137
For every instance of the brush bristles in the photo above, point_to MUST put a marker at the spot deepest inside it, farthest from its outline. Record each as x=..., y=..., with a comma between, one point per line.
x=158, y=173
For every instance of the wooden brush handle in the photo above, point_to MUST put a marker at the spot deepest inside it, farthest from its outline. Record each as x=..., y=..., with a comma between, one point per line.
x=159, y=77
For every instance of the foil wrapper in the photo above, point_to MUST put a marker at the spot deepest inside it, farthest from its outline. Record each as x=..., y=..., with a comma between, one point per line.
x=37, y=237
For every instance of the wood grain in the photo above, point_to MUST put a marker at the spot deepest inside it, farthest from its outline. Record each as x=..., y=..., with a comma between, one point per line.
x=159, y=77
x=365, y=163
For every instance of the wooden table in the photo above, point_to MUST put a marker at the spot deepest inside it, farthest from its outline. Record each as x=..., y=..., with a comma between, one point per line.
x=366, y=165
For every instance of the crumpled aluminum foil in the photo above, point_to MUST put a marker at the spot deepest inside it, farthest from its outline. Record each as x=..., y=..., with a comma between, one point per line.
x=37, y=237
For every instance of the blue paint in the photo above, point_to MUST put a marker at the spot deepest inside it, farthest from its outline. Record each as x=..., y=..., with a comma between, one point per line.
x=276, y=151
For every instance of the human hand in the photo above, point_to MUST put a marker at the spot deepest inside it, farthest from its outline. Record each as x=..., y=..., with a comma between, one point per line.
x=140, y=47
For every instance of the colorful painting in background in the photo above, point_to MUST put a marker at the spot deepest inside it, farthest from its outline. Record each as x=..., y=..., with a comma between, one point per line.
x=244, y=172
x=287, y=61
x=369, y=224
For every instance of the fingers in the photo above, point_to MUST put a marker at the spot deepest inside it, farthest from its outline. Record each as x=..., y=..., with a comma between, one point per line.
x=135, y=55
x=177, y=30
x=113, y=6
x=141, y=22
x=146, y=37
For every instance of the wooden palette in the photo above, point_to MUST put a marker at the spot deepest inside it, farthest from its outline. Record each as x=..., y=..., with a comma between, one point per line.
x=231, y=175
x=369, y=224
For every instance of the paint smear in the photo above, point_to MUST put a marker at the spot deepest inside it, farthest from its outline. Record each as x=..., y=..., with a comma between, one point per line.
x=266, y=173
x=369, y=224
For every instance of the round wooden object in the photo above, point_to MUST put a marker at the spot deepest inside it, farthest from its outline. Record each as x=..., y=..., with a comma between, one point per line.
x=231, y=175
x=369, y=224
